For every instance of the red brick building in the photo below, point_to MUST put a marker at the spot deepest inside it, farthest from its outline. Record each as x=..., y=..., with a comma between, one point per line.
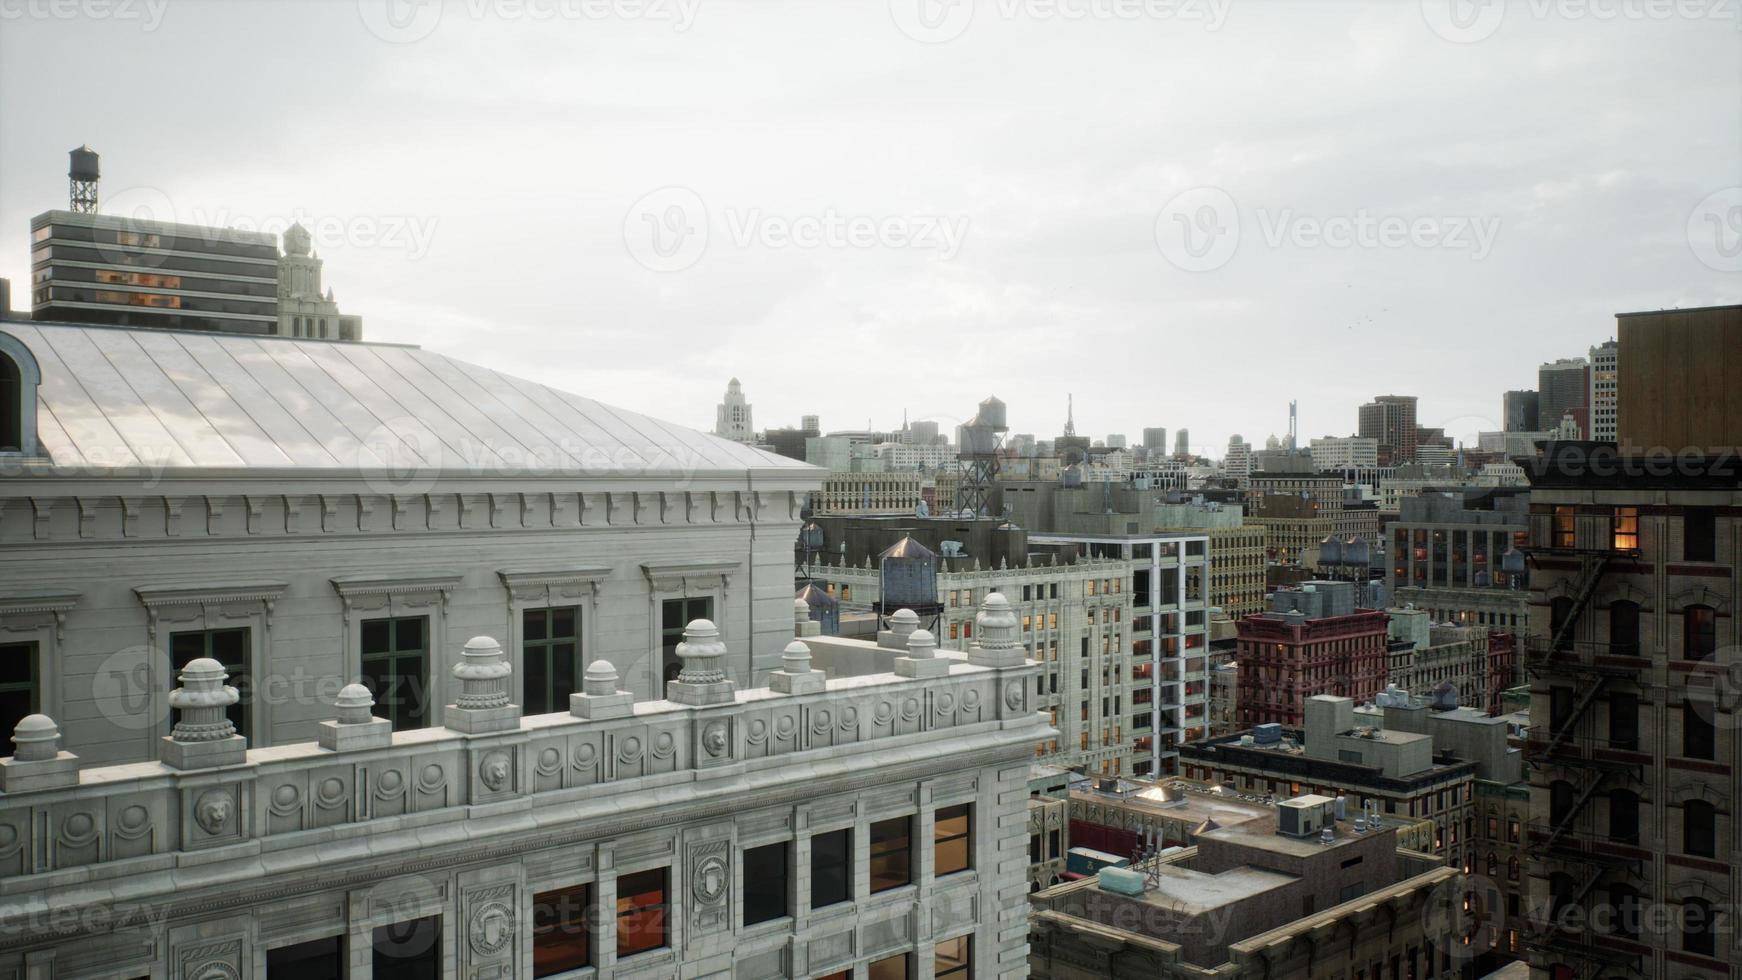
x=1286, y=658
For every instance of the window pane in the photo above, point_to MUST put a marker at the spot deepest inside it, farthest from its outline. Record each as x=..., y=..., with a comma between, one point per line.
x=536, y=683
x=891, y=854
x=317, y=959
x=831, y=868
x=671, y=612
x=765, y=883
x=532, y=624
x=229, y=647
x=951, y=836
x=15, y=703
x=562, y=675
x=408, y=633
x=641, y=911
x=562, y=622
x=560, y=941
x=953, y=959
x=893, y=968
x=408, y=950
x=186, y=647
x=375, y=636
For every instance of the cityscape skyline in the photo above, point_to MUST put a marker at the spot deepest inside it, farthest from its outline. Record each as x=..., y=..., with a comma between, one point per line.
x=1058, y=261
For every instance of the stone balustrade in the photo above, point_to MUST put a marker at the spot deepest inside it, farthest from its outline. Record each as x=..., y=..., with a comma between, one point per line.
x=212, y=798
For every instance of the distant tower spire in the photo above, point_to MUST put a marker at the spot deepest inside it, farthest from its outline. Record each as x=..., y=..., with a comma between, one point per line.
x=1070, y=415
x=1292, y=432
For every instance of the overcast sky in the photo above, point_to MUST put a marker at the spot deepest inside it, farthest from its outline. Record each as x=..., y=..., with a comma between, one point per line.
x=1186, y=213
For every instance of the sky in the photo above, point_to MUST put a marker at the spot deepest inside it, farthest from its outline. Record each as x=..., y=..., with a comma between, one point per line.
x=1182, y=213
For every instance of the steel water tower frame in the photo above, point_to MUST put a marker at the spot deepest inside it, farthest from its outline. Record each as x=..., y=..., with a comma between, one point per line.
x=982, y=441
x=83, y=172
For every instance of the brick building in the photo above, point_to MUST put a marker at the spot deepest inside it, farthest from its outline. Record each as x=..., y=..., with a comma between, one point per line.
x=1313, y=641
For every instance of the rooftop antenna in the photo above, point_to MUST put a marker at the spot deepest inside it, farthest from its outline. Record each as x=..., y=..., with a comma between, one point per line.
x=1070, y=415
x=1292, y=432
x=82, y=174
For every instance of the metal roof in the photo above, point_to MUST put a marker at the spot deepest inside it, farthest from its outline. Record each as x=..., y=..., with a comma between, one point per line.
x=123, y=398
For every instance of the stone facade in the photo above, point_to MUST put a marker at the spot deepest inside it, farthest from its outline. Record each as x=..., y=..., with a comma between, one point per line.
x=463, y=837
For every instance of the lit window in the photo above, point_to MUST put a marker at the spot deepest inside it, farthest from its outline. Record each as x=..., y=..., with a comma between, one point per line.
x=641, y=911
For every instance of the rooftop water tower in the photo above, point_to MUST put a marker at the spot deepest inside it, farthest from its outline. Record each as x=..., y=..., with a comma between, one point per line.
x=83, y=174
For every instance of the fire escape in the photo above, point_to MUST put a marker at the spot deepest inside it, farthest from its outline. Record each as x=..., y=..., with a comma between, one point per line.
x=1580, y=761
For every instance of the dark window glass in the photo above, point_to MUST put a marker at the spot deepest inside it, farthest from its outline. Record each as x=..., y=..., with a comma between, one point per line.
x=1624, y=721
x=1624, y=628
x=551, y=652
x=954, y=959
x=1699, y=534
x=228, y=647
x=18, y=694
x=952, y=834
x=674, y=615
x=891, y=854
x=1699, y=829
x=1625, y=907
x=408, y=950
x=1560, y=707
x=396, y=670
x=1624, y=816
x=1559, y=608
x=561, y=940
x=1561, y=796
x=1699, y=927
x=317, y=959
x=1699, y=738
x=766, y=883
x=1699, y=632
x=831, y=868
x=11, y=405
x=641, y=911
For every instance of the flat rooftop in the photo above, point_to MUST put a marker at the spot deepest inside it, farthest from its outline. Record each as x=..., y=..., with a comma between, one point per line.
x=1191, y=892
x=1187, y=805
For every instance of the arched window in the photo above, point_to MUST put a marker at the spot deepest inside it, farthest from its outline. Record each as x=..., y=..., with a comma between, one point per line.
x=1624, y=816
x=11, y=406
x=1512, y=869
x=1699, y=829
x=1699, y=632
x=1699, y=928
x=1624, y=628
x=1493, y=865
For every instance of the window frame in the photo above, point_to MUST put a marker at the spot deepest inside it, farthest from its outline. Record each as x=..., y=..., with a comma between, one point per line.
x=670, y=636
x=748, y=867
x=31, y=651
x=586, y=917
x=394, y=654
x=966, y=836
x=660, y=908
x=845, y=862
x=551, y=700
x=240, y=676
x=885, y=849
x=955, y=969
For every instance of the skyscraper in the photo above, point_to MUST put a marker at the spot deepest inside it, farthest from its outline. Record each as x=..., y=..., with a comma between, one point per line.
x=1563, y=387
x=1155, y=439
x=1601, y=397
x=1182, y=443
x=1518, y=411
x=732, y=417
x=1390, y=419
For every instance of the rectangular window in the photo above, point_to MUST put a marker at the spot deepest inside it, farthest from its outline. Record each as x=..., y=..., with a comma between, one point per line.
x=1699, y=737
x=891, y=854
x=317, y=959
x=396, y=669
x=1624, y=721
x=674, y=615
x=1699, y=534
x=889, y=968
x=831, y=868
x=18, y=689
x=766, y=883
x=954, y=959
x=561, y=935
x=1565, y=527
x=1626, y=529
x=408, y=950
x=550, y=648
x=228, y=647
x=641, y=908
x=952, y=835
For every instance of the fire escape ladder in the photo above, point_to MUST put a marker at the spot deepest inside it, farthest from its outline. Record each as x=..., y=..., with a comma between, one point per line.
x=1573, y=811
x=1592, y=574
x=1565, y=732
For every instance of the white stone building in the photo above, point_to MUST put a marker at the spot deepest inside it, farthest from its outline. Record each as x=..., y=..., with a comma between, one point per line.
x=1604, y=391
x=863, y=819
x=1344, y=453
x=312, y=513
x=303, y=310
x=732, y=418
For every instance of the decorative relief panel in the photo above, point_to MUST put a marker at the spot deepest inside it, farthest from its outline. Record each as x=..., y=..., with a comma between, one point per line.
x=75, y=832
x=491, y=930
x=330, y=795
x=220, y=960
x=710, y=885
